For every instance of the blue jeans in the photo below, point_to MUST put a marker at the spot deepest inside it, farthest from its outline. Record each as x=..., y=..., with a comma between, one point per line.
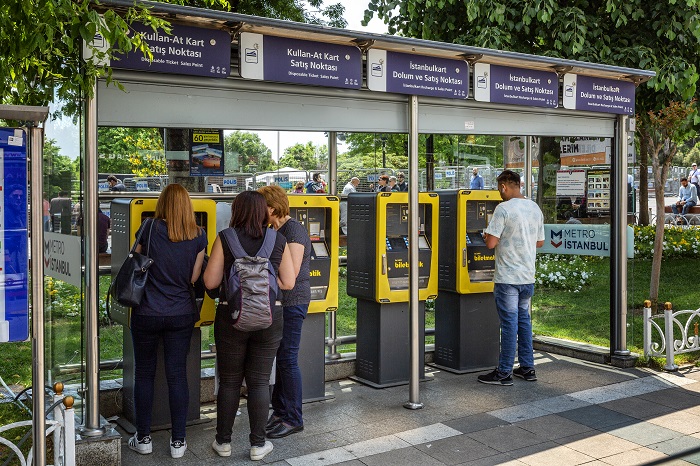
x=287, y=396
x=686, y=207
x=246, y=355
x=513, y=305
x=176, y=332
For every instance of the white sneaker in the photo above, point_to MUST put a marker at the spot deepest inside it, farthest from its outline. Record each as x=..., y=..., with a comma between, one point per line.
x=177, y=448
x=143, y=446
x=258, y=453
x=223, y=449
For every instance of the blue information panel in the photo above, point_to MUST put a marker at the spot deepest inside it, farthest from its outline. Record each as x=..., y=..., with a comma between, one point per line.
x=507, y=85
x=297, y=61
x=598, y=94
x=14, y=264
x=405, y=73
x=186, y=50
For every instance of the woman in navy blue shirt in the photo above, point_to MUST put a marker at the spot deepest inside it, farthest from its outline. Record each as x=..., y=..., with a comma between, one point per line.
x=177, y=245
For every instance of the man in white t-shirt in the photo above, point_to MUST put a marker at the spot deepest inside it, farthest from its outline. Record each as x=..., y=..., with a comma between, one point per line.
x=516, y=230
x=694, y=177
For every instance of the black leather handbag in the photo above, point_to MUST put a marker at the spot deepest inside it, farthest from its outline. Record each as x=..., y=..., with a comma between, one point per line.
x=130, y=282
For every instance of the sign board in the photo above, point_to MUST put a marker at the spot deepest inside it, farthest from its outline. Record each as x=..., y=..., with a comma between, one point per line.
x=571, y=183
x=63, y=257
x=507, y=85
x=279, y=179
x=584, y=151
x=598, y=94
x=450, y=173
x=142, y=186
x=14, y=234
x=230, y=182
x=186, y=50
x=283, y=59
x=405, y=73
x=598, y=198
x=581, y=239
x=103, y=186
x=207, y=152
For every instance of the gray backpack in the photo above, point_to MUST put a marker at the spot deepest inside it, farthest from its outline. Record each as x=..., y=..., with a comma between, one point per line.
x=251, y=285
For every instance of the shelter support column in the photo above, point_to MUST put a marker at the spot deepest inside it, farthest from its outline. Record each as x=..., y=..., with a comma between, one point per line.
x=36, y=138
x=91, y=426
x=618, y=247
x=413, y=226
x=527, y=166
x=333, y=162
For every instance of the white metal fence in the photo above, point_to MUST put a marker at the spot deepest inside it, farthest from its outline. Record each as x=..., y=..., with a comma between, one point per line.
x=670, y=333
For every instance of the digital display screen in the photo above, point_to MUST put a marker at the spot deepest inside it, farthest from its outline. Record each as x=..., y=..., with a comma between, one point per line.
x=320, y=249
x=397, y=243
x=314, y=228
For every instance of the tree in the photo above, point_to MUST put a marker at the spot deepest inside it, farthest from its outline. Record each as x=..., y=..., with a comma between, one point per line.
x=303, y=156
x=130, y=150
x=41, y=41
x=250, y=152
x=666, y=128
x=662, y=35
x=59, y=170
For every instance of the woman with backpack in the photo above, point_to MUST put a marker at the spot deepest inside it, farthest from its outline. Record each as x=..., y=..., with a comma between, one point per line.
x=245, y=354
x=177, y=245
x=286, y=418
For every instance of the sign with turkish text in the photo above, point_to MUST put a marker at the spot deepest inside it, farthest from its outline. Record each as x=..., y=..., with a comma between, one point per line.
x=507, y=85
x=584, y=151
x=598, y=94
x=581, y=239
x=186, y=50
x=14, y=234
x=404, y=73
x=571, y=183
x=296, y=61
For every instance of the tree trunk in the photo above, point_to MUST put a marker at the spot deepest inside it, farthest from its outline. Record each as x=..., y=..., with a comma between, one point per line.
x=643, y=176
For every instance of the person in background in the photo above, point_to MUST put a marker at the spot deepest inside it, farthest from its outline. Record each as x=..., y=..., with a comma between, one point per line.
x=177, y=246
x=115, y=184
x=299, y=188
x=103, y=225
x=687, y=197
x=516, y=230
x=315, y=186
x=401, y=184
x=351, y=187
x=383, y=184
x=694, y=177
x=392, y=184
x=242, y=354
x=47, y=215
x=477, y=181
x=286, y=418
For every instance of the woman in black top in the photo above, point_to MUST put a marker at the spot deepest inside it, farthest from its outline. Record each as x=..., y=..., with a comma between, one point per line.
x=286, y=415
x=242, y=354
x=176, y=244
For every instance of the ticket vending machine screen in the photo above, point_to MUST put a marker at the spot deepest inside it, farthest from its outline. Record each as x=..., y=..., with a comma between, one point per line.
x=199, y=217
x=397, y=247
x=480, y=259
x=315, y=219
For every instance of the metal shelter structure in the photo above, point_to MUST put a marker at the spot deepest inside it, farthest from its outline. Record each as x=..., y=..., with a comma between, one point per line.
x=180, y=101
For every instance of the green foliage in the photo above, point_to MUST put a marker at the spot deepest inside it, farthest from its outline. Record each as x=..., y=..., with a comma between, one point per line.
x=131, y=150
x=249, y=152
x=678, y=242
x=59, y=170
x=563, y=272
x=41, y=41
x=304, y=156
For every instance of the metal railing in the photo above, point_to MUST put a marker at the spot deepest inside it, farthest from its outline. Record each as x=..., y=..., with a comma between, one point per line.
x=669, y=345
x=60, y=424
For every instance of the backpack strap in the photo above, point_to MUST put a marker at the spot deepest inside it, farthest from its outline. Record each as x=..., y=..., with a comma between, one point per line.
x=268, y=243
x=234, y=244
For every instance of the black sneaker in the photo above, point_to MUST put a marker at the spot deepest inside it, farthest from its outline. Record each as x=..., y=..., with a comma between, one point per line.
x=493, y=378
x=527, y=374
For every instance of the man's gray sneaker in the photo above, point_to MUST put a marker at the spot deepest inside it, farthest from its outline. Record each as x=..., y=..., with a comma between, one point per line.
x=527, y=374
x=494, y=378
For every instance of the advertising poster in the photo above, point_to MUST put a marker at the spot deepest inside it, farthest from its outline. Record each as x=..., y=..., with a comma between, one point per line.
x=207, y=152
x=14, y=234
x=598, y=190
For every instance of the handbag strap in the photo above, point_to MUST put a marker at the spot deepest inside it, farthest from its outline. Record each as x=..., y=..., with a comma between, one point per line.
x=138, y=238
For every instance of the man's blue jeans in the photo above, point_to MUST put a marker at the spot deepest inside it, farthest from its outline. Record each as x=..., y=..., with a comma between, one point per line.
x=513, y=305
x=287, y=395
x=686, y=207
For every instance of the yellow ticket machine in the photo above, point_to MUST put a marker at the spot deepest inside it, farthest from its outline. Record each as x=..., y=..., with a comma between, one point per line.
x=126, y=216
x=466, y=321
x=378, y=277
x=320, y=216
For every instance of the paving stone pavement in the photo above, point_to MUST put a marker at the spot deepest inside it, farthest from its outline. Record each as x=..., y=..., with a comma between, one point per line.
x=577, y=412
